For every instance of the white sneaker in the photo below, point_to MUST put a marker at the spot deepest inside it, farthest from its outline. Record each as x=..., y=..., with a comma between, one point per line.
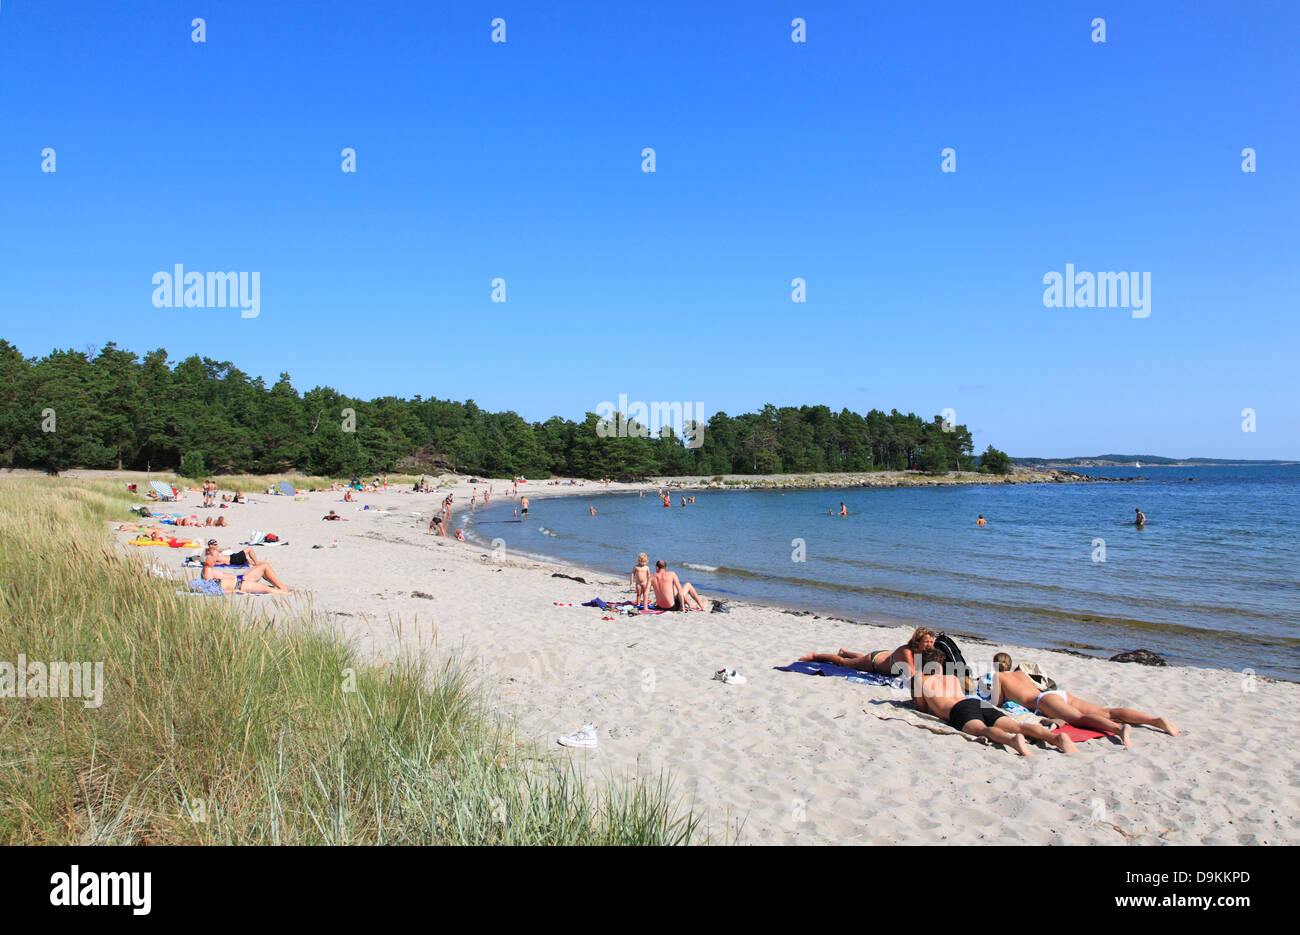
x=584, y=736
x=729, y=677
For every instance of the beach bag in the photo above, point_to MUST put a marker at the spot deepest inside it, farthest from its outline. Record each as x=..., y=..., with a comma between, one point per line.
x=1038, y=675
x=949, y=646
x=271, y=537
x=955, y=659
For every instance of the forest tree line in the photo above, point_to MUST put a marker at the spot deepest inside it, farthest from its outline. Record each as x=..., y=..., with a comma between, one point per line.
x=109, y=408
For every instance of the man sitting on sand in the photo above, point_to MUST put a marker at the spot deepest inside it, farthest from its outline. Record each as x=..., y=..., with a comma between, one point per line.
x=1061, y=705
x=670, y=593
x=248, y=582
x=938, y=692
x=900, y=663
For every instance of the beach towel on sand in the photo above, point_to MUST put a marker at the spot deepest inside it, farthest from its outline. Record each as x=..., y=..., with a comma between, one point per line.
x=1080, y=734
x=618, y=606
x=850, y=675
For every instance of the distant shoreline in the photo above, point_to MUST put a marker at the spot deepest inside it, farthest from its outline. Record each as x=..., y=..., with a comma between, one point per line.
x=1047, y=464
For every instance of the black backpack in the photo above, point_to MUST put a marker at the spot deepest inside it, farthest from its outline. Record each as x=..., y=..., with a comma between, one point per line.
x=956, y=661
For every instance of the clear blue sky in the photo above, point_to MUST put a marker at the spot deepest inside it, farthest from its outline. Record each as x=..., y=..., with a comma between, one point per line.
x=775, y=160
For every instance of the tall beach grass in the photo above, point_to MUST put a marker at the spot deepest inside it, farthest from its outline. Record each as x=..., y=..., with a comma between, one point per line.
x=218, y=729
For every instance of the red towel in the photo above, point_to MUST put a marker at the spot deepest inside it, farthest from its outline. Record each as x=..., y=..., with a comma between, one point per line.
x=1080, y=734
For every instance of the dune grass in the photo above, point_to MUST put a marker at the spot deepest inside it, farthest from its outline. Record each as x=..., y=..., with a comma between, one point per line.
x=221, y=730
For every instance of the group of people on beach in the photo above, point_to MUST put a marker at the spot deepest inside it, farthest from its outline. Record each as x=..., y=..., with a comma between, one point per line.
x=940, y=687
x=671, y=593
x=248, y=574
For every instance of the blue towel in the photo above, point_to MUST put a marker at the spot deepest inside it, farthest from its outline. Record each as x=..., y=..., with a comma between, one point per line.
x=850, y=675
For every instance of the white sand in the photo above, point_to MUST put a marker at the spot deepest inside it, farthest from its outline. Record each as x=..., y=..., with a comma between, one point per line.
x=799, y=759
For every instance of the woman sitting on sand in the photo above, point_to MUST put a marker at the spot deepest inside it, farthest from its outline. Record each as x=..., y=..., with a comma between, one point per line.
x=882, y=661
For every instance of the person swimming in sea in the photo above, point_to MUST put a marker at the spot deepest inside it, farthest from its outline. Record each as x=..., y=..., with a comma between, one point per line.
x=1141, y=517
x=981, y=521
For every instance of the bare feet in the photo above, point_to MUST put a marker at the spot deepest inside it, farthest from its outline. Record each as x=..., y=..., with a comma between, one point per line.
x=1124, y=735
x=1021, y=745
x=1064, y=744
x=1164, y=725
x=807, y=658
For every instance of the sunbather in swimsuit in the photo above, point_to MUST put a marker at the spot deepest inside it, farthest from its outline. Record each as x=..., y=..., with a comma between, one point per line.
x=882, y=661
x=1063, y=706
x=1039, y=700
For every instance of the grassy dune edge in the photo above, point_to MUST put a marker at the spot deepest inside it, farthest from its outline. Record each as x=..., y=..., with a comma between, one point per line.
x=218, y=730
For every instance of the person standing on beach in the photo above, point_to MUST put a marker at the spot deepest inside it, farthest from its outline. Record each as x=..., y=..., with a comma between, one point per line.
x=670, y=593
x=640, y=579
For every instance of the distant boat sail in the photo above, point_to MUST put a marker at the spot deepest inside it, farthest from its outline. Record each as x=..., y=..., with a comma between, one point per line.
x=1137, y=463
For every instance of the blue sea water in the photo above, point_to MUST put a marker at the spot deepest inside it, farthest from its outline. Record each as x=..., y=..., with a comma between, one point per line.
x=1213, y=579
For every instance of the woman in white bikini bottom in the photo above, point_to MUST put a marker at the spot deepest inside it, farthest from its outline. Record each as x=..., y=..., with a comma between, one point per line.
x=1038, y=702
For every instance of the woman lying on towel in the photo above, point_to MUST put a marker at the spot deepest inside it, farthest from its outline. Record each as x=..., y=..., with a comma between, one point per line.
x=259, y=579
x=882, y=661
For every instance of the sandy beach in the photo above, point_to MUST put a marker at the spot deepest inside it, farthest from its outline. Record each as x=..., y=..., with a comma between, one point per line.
x=787, y=758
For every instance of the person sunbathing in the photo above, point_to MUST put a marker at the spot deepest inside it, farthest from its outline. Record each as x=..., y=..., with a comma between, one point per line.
x=938, y=692
x=1060, y=705
x=900, y=663
x=248, y=582
x=243, y=557
x=670, y=593
x=331, y=516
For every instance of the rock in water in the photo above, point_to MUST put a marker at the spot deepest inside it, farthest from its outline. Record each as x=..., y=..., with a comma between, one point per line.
x=1143, y=657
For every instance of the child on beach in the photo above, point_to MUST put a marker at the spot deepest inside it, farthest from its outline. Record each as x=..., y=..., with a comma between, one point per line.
x=640, y=579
